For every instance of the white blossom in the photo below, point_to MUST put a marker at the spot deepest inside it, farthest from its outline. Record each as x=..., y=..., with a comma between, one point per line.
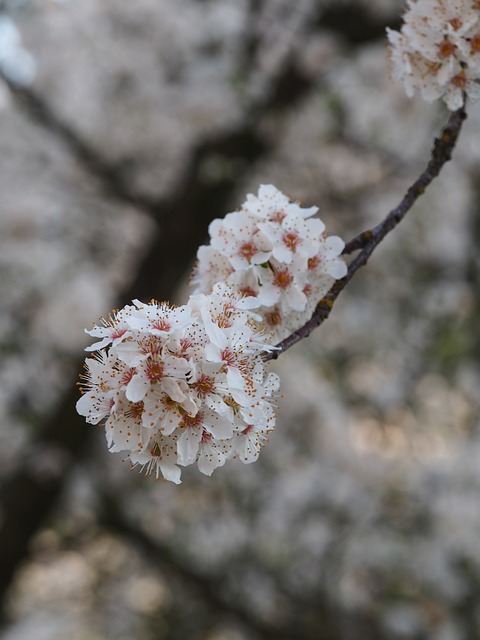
x=276, y=254
x=437, y=51
x=176, y=386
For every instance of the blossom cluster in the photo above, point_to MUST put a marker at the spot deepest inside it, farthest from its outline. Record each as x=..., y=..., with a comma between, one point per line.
x=437, y=51
x=273, y=250
x=174, y=386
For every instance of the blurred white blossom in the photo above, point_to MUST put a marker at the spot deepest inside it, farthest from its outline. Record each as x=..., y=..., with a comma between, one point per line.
x=437, y=51
x=16, y=63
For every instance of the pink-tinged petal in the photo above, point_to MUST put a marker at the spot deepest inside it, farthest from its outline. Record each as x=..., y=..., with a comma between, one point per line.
x=216, y=335
x=92, y=408
x=282, y=253
x=247, y=449
x=235, y=378
x=334, y=246
x=175, y=366
x=216, y=404
x=297, y=300
x=129, y=352
x=137, y=388
x=122, y=436
x=209, y=459
x=187, y=445
x=170, y=422
x=98, y=345
x=190, y=406
x=268, y=295
x=336, y=268
x=172, y=388
x=220, y=427
x=170, y=472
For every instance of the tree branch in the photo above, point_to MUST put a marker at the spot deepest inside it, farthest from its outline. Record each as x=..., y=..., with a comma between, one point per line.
x=368, y=240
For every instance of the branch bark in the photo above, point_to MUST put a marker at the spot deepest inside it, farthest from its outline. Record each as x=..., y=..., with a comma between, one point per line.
x=368, y=240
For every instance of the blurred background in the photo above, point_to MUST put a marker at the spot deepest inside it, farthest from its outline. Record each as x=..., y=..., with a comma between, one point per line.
x=125, y=127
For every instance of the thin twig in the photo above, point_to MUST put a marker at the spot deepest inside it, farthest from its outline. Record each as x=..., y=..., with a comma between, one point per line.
x=368, y=240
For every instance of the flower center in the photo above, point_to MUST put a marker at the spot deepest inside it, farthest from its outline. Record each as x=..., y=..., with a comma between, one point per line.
x=228, y=356
x=185, y=344
x=282, y=279
x=127, y=375
x=273, y=318
x=118, y=333
x=247, y=292
x=475, y=43
x=135, y=410
x=277, y=216
x=313, y=263
x=446, y=49
x=291, y=240
x=460, y=80
x=162, y=325
x=155, y=450
x=204, y=385
x=154, y=371
x=206, y=437
x=247, y=250
x=456, y=23
x=192, y=421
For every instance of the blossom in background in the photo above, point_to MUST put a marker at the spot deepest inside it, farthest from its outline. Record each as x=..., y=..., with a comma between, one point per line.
x=437, y=51
x=175, y=386
x=16, y=63
x=275, y=252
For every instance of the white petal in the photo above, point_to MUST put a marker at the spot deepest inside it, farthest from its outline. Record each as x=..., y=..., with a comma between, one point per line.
x=170, y=472
x=137, y=388
x=187, y=445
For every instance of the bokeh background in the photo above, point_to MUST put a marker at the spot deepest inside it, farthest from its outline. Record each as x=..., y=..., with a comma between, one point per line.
x=125, y=127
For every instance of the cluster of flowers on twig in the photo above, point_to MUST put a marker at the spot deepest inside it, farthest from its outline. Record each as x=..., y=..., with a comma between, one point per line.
x=175, y=386
x=437, y=51
x=181, y=385
x=272, y=249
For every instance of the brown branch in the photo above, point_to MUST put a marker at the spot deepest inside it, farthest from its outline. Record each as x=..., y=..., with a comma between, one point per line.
x=368, y=240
